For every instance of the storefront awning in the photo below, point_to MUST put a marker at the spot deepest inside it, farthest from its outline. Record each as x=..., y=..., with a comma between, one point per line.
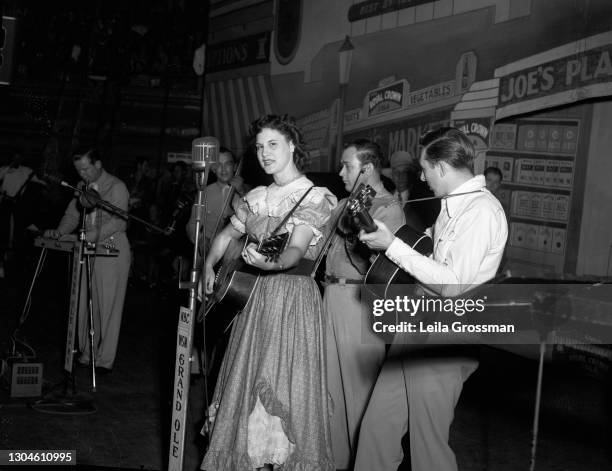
x=232, y=104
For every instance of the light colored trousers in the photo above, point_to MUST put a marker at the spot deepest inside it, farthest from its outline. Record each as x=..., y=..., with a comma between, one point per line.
x=109, y=284
x=417, y=393
x=354, y=358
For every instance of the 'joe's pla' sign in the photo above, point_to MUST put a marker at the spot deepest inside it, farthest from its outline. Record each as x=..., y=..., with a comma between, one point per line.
x=540, y=84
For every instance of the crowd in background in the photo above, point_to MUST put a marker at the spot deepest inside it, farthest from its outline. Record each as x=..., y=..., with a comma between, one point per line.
x=164, y=201
x=161, y=194
x=127, y=41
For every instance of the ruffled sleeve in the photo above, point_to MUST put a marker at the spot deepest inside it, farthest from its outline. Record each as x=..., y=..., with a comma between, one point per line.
x=314, y=212
x=253, y=202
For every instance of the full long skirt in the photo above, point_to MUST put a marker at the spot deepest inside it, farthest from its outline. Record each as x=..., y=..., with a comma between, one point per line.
x=271, y=398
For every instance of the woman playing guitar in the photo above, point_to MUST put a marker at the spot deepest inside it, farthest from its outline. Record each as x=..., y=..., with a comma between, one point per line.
x=270, y=404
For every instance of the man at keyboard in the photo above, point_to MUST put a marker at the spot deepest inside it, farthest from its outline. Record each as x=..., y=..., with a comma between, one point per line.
x=109, y=274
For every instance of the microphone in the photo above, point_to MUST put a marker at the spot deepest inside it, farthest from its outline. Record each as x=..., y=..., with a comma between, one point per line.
x=204, y=151
x=55, y=179
x=88, y=197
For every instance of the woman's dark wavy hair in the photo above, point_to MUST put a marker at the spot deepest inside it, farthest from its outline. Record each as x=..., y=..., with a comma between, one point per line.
x=287, y=126
x=367, y=152
x=449, y=145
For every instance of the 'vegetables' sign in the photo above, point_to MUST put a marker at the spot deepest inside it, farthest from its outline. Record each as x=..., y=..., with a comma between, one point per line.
x=436, y=92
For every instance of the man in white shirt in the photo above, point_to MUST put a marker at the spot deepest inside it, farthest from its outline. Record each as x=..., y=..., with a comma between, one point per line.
x=13, y=177
x=109, y=274
x=419, y=394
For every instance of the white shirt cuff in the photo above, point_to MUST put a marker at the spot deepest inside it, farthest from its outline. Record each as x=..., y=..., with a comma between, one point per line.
x=397, y=250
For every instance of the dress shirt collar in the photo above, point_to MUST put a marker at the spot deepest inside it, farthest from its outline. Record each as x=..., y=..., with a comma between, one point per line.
x=103, y=181
x=452, y=205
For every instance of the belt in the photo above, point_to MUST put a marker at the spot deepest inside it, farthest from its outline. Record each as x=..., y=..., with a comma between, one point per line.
x=303, y=268
x=341, y=281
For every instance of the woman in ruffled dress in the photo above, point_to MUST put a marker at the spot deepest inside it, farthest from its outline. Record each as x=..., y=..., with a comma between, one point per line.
x=271, y=406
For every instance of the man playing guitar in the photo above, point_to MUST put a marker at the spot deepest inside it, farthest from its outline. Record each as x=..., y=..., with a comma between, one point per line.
x=416, y=392
x=353, y=361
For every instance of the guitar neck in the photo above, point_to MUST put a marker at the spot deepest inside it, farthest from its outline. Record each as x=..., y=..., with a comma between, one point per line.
x=365, y=221
x=358, y=206
x=228, y=199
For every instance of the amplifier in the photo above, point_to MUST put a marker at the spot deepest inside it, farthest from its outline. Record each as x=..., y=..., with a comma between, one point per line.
x=26, y=379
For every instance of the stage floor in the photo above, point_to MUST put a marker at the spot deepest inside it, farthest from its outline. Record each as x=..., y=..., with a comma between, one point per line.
x=130, y=428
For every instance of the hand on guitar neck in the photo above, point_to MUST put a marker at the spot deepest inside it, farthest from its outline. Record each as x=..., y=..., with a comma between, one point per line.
x=374, y=233
x=357, y=216
x=237, y=183
x=259, y=254
x=379, y=239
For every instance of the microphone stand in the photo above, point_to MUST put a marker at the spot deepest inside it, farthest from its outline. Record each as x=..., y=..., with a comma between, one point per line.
x=94, y=199
x=185, y=331
x=92, y=355
x=74, y=403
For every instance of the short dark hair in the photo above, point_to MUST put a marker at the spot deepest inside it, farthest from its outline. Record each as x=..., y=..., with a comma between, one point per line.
x=494, y=170
x=91, y=153
x=225, y=150
x=368, y=152
x=287, y=126
x=449, y=145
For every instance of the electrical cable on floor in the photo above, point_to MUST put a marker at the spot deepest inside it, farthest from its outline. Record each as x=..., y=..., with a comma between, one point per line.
x=25, y=313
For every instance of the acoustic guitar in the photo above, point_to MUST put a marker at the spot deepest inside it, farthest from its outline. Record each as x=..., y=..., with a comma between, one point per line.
x=383, y=271
x=384, y=278
x=235, y=280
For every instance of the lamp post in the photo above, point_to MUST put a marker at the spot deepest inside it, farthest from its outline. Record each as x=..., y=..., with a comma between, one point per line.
x=345, y=57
